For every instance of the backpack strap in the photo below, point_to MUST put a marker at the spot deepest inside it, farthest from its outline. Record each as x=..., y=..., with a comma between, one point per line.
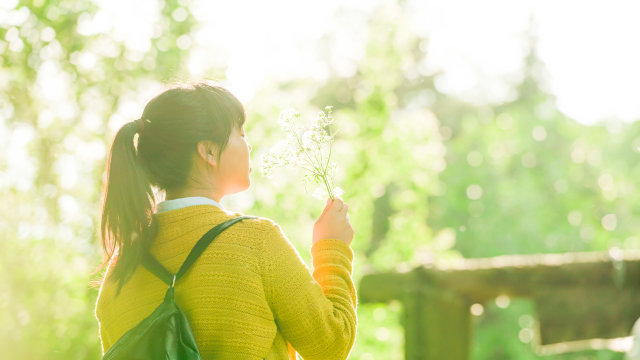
x=154, y=266
x=204, y=242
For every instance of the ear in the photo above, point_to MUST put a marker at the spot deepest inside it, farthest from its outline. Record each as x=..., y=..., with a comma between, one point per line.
x=206, y=151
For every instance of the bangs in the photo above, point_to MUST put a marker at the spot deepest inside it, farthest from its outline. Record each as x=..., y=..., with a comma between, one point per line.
x=229, y=107
x=240, y=116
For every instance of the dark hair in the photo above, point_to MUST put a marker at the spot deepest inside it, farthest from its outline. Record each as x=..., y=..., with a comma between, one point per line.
x=169, y=130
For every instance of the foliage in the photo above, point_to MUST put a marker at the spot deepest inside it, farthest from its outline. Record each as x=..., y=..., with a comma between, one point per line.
x=428, y=177
x=67, y=84
x=46, y=301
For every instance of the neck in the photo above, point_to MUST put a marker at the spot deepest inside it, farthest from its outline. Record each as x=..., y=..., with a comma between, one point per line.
x=176, y=194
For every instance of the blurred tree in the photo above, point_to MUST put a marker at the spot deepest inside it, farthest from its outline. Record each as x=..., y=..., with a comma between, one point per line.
x=428, y=177
x=522, y=178
x=518, y=177
x=65, y=72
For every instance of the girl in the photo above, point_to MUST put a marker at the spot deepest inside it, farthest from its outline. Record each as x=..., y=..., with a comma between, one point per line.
x=249, y=295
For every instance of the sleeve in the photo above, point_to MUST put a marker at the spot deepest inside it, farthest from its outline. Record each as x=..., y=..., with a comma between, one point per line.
x=315, y=313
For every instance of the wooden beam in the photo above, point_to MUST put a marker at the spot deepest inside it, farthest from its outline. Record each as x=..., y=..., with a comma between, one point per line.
x=384, y=287
x=436, y=299
x=480, y=280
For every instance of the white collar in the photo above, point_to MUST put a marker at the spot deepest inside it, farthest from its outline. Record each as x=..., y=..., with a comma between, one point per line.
x=179, y=203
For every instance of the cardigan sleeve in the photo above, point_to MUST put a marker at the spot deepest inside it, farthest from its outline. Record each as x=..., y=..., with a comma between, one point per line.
x=316, y=312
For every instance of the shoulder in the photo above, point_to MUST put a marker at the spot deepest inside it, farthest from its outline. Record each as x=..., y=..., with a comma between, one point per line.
x=265, y=234
x=256, y=224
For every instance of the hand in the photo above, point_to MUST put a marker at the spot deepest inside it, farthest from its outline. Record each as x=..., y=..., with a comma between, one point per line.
x=333, y=223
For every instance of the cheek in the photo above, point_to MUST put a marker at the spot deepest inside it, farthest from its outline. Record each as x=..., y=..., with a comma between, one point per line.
x=236, y=163
x=235, y=172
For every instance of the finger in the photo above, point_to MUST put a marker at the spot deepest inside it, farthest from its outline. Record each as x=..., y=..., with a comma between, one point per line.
x=343, y=209
x=329, y=204
x=327, y=207
x=335, y=205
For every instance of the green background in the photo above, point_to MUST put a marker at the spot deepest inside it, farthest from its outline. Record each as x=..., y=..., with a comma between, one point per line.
x=428, y=178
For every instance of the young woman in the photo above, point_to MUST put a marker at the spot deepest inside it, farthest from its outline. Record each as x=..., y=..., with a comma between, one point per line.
x=249, y=295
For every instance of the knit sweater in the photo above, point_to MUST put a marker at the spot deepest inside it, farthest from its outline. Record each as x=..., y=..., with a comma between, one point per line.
x=248, y=296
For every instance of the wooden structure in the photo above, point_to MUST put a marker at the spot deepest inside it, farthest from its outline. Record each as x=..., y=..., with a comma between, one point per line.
x=569, y=290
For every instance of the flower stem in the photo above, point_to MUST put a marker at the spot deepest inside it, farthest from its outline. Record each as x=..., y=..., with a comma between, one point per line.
x=324, y=179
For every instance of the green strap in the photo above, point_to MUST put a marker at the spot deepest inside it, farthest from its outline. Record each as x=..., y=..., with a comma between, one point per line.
x=204, y=242
x=157, y=269
x=149, y=262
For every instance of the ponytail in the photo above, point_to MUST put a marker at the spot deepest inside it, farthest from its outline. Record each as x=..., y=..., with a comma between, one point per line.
x=128, y=227
x=161, y=156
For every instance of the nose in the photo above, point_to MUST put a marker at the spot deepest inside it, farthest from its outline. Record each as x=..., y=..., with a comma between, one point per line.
x=250, y=147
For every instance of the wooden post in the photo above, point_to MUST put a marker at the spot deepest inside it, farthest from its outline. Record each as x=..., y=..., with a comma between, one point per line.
x=436, y=299
x=437, y=323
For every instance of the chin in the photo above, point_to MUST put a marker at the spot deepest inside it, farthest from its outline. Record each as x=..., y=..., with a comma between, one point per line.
x=247, y=183
x=240, y=187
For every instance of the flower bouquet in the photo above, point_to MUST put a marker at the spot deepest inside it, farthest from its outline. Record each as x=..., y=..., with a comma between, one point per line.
x=308, y=148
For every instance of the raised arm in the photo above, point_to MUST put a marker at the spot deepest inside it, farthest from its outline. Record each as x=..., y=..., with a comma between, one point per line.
x=315, y=312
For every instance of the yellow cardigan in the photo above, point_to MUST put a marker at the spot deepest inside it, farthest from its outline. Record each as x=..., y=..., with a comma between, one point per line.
x=248, y=296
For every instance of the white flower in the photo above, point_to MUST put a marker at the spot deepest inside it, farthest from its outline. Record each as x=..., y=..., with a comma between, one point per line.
x=280, y=156
x=307, y=140
x=324, y=118
x=288, y=119
x=310, y=151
